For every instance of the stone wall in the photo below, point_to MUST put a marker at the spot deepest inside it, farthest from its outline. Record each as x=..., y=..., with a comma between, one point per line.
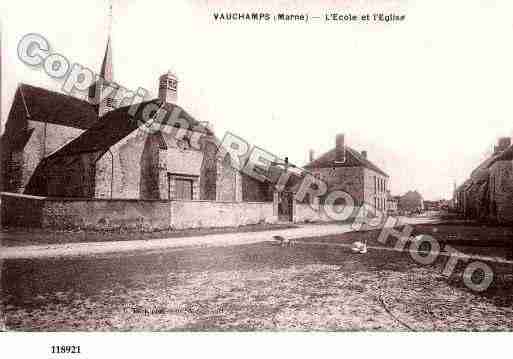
x=226, y=181
x=42, y=142
x=62, y=213
x=143, y=166
x=307, y=213
x=347, y=179
x=204, y=214
x=18, y=210
x=101, y=214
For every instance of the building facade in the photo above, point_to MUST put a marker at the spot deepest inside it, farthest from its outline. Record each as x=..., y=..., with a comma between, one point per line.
x=61, y=146
x=39, y=123
x=501, y=187
x=346, y=169
x=487, y=195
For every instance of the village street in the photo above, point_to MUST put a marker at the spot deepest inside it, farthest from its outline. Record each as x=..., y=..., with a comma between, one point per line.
x=245, y=281
x=85, y=248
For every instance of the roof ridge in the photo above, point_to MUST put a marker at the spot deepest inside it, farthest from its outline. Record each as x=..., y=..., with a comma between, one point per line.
x=55, y=92
x=361, y=161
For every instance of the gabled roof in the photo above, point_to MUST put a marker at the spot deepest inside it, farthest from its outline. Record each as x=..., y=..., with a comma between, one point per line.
x=38, y=104
x=116, y=125
x=353, y=159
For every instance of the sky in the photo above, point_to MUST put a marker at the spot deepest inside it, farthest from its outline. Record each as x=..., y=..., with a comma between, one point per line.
x=426, y=98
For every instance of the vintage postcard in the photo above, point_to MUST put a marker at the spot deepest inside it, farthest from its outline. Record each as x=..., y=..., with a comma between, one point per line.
x=255, y=166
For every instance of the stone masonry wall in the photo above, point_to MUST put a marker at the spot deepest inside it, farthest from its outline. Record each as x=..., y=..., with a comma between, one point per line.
x=348, y=179
x=42, y=143
x=226, y=182
x=139, y=165
x=201, y=214
x=98, y=214
x=18, y=210
x=62, y=213
x=304, y=212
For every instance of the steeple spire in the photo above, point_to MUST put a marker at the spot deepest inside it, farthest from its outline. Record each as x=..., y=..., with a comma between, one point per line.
x=105, y=102
x=106, y=71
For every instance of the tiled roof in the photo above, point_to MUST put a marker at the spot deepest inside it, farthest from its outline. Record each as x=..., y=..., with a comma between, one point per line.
x=50, y=107
x=353, y=159
x=116, y=125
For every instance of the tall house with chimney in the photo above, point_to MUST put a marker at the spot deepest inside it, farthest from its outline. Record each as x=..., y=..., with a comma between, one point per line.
x=344, y=168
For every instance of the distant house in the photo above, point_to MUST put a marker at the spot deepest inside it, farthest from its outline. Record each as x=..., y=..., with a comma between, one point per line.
x=346, y=169
x=411, y=201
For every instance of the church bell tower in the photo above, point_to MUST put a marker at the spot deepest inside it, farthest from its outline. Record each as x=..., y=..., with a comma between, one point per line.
x=102, y=93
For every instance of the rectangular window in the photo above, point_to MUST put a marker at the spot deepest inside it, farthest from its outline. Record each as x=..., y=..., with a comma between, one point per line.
x=183, y=189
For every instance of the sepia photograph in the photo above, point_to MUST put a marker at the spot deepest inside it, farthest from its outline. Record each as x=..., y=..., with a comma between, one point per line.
x=295, y=166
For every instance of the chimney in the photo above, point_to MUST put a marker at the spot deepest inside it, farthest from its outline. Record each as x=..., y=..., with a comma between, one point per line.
x=364, y=154
x=311, y=155
x=340, y=149
x=168, y=88
x=504, y=143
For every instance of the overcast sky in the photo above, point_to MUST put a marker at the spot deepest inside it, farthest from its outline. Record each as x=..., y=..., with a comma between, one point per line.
x=427, y=98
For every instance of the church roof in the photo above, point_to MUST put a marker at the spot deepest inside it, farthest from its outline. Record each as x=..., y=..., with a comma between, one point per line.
x=116, y=125
x=50, y=107
x=353, y=159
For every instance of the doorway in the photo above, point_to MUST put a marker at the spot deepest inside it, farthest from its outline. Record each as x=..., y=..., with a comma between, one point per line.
x=285, y=206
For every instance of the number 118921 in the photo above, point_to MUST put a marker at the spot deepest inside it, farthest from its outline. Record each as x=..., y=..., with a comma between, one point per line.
x=65, y=349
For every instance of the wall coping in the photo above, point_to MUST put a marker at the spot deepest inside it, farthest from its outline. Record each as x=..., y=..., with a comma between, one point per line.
x=208, y=201
x=86, y=199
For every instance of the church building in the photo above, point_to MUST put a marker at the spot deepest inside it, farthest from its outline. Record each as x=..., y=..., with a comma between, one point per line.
x=60, y=146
